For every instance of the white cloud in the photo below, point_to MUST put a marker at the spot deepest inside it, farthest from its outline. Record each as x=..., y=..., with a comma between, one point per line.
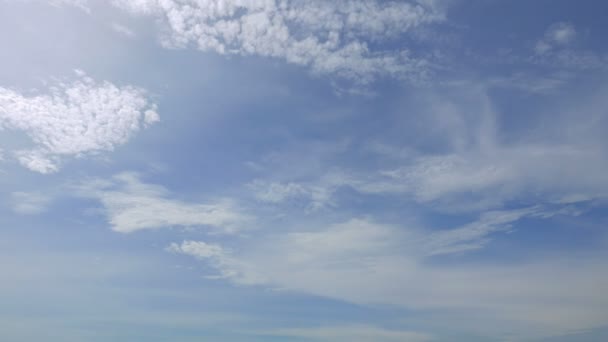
x=77, y=118
x=329, y=37
x=316, y=197
x=28, y=203
x=38, y=161
x=133, y=206
x=228, y=266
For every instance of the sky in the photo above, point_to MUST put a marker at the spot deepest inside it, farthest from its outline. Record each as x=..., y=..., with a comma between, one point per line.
x=303, y=170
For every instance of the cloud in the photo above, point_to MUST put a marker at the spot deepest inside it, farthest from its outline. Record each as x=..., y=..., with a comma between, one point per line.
x=132, y=205
x=561, y=33
x=315, y=197
x=533, y=84
x=479, y=164
x=558, y=49
x=29, y=203
x=461, y=158
x=557, y=35
x=359, y=333
x=357, y=244
x=220, y=259
x=481, y=180
x=77, y=118
x=329, y=37
x=368, y=263
x=81, y=4
x=123, y=30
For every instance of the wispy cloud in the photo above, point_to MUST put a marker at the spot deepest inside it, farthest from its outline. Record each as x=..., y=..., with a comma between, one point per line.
x=132, y=205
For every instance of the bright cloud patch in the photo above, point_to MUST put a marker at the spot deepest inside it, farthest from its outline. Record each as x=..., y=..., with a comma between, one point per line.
x=77, y=118
x=133, y=206
x=330, y=37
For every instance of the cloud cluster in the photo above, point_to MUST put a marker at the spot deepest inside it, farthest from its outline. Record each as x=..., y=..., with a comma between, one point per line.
x=329, y=37
x=131, y=206
x=76, y=118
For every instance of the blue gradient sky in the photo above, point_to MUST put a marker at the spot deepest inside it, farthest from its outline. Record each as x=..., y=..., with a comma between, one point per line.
x=425, y=170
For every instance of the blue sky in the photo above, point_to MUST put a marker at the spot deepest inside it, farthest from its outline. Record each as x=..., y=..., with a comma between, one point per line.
x=425, y=170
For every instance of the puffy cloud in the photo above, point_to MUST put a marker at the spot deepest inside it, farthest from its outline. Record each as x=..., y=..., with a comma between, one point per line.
x=133, y=206
x=329, y=37
x=76, y=118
